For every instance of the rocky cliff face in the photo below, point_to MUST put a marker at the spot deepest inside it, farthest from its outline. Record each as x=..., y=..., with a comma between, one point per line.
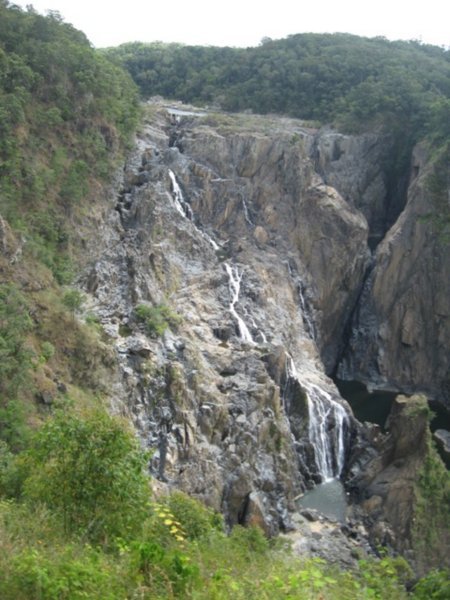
x=401, y=328
x=244, y=228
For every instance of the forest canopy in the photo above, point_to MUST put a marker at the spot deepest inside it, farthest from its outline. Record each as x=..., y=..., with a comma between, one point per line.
x=343, y=79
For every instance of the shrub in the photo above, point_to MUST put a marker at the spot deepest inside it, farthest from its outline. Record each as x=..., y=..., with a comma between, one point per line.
x=156, y=319
x=195, y=518
x=15, y=357
x=73, y=299
x=90, y=470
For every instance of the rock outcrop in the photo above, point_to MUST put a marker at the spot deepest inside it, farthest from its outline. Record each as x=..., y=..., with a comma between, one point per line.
x=387, y=488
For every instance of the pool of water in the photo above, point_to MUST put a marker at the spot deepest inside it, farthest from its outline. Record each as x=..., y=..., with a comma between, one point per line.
x=328, y=498
x=375, y=406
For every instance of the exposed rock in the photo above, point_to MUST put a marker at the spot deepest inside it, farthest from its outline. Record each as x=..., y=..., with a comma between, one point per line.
x=261, y=235
x=401, y=330
x=386, y=485
x=355, y=166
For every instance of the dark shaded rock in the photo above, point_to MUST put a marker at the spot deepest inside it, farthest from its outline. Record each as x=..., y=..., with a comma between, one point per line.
x=310, y=514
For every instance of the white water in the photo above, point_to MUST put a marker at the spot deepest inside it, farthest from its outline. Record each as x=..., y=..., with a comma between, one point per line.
x=180, y=203
x=260, y=331
x=234, y=276
x=326, y=426
x=308, y=321
x=235, y=287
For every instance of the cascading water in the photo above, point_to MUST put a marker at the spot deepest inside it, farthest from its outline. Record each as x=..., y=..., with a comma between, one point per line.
x=308, y=321
x=327, y=423
x=180, y=203
x=234, y=276
x=246, y=212
x=235, y=287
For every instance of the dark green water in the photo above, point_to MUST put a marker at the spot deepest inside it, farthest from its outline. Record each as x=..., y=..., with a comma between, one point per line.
x=328, y=498
x=375, y=406
x=367, y=406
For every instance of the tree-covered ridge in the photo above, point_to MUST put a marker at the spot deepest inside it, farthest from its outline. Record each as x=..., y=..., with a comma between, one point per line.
x=65, y=111
x=328, y=77
x=353, y=83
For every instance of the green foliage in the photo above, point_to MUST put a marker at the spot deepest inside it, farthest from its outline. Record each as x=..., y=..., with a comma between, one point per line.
x=156, y=319
x=15, y=357
x=47, y=350
x=89, y=470
x=195, y=519
x=384, y=578
x=432, y=511
x=73, y=299
x=436, y=585
x=437, y=186
x=357, y=82
x=39, y=561
x=65, y=114
x=13, y=424
x=68, y=572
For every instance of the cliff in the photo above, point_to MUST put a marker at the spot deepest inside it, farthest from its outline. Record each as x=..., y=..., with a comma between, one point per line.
x=401, y=327
x=244, y=238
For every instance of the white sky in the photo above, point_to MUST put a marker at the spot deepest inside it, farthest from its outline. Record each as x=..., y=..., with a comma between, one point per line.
x=244, y=23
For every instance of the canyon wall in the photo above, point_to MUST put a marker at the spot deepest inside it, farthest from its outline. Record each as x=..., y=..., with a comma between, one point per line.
x=245, y=238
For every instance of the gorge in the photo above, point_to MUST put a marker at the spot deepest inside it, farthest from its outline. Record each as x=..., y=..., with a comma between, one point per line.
x=253, y=235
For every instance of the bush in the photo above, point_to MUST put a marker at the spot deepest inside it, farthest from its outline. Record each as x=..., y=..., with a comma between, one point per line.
x=156, y=319
x=15, y=357
x=90, y=470
x=195, y=518
x=436, y=585
x=73, y=299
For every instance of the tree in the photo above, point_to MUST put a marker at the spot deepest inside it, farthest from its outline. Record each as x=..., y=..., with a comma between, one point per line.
x=91, y=471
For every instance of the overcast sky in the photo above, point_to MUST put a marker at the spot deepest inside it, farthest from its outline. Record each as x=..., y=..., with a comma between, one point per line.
x=244, y=23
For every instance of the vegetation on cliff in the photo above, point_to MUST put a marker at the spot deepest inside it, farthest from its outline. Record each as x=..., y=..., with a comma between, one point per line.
x=66, y=116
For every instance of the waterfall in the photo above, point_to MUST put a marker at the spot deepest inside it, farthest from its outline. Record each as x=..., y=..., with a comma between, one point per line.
x=185, y=209
x=234, y=276
x=235, y=286
x=327, y=422
x=180, y=203
x=308, y=321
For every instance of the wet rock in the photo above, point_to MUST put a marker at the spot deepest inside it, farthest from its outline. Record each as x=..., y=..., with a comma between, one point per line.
x=224, y=418
x=387, y=482
x=442, y=438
